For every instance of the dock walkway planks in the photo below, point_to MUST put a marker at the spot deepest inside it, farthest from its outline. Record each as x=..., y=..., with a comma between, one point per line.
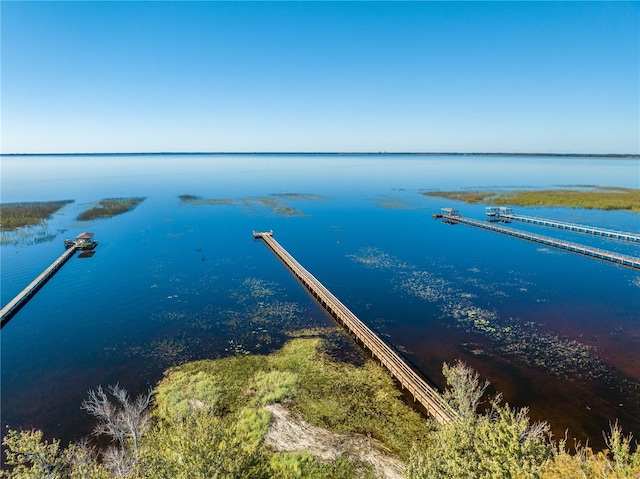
x=422, y=392
x=626, y=260
x=16, y=303
x=578, y=228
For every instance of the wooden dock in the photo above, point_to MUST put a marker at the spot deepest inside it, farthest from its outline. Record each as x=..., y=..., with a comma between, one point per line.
x=626, y=260
x=7, y=312
x=578, y=228
x=422, y=392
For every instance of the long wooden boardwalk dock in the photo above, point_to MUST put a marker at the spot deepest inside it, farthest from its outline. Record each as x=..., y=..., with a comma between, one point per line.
x=25, y=295
x=422, y=392
x=84, y=243
x=578, y=228
x=626, y=260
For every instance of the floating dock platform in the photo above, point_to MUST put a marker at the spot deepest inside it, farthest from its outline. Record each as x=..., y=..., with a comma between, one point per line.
x=422, y=392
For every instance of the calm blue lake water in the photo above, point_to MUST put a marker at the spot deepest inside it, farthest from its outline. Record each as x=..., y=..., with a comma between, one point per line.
x=174, y=281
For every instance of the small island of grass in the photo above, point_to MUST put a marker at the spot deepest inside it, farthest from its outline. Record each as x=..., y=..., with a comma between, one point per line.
x=588, y=197
x=18, y=215
x=110, y=207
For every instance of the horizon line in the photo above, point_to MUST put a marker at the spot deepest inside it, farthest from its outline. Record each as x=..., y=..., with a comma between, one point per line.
x=332, y=153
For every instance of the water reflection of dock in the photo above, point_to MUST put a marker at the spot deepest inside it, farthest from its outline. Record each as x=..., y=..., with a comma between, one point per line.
x=452, y=217
x=83, y=243
x=422, y=392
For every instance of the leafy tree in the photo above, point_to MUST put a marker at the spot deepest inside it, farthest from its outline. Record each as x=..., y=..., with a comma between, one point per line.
x=82, y=462
x=465, y=390
x=31, y=456
x=201, y=445
x=616, y=463
x=499, y=444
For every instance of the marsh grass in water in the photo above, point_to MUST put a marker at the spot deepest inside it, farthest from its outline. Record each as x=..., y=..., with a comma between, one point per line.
x=584, y=196
x=199, y=201
x=392, y=202
x=525, y=341
x=18, y=215
x=109, y=207
x=29, y=235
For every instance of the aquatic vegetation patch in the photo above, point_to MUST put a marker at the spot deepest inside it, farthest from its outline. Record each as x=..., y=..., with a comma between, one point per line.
x=554, y=354
x=393, y=202
x=251, y=325
x=472, y=197
x=588, y=197
x=276, y=202
x=300, y=196
x=110, y=207
x=29, y=235
x=259, y=287
x=276, y=206
x=29, y=213
x=197, y=200
x=375, y=258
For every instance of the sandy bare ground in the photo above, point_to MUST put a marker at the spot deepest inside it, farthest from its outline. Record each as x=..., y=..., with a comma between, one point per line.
x=290, y=433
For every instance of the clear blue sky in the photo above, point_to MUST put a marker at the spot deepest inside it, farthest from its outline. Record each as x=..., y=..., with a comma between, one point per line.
x=320, y=76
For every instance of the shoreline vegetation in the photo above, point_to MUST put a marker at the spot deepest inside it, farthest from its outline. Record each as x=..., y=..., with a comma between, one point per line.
x=31, y=213
x=578, y=196
x=300, y=413
x=109, y=207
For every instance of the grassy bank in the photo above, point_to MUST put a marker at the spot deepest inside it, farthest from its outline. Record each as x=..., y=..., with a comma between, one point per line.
x=18, y=215
x=110, y=207
x=590, y=197
x=334, y=395
x=224, y=418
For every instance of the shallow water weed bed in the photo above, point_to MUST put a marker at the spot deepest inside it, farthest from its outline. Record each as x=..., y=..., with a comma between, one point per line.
x=525, y=341
x=277, y=203
x=18, y=215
